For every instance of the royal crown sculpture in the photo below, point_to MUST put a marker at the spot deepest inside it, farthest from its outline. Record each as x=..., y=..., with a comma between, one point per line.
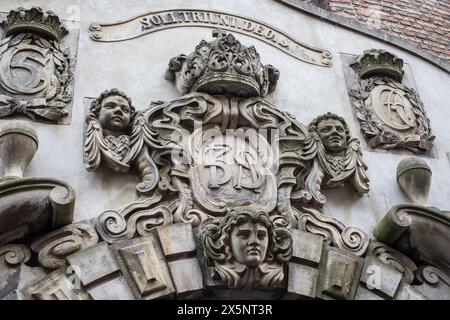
x=391, y=114
x=34, y=20
x=222, y=66
x=378, y=62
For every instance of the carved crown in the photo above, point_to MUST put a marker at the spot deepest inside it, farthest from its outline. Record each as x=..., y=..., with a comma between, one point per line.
x=378, y=62
x=223, y=66
x=34, y=20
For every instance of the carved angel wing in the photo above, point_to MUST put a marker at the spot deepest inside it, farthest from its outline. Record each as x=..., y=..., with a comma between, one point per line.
x=96, y=150
x=354, y=169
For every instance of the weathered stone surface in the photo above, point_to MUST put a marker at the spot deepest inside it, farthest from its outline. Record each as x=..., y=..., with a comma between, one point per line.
x=93, y=264
x=178, y=245
x=363, y=294
x=177, y=240
x=28, y=206
x=54, y=247
x=435, y=284
x=303, y=273
x=380, y=277
x=302, y=281
x=116, y=289
x=339, y=274
x=393, y=258
x=58, y=285
x=18, y=144
x=414, y=178
x=143, y=265
x=306, y=248
x=32, y=43
x=408, y=292
x=418, y=231
x=12, y=259
x=187, y=277
x=391, y=115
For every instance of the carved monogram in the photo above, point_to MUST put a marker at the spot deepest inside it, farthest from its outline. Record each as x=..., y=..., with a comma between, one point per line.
x=35, y=70
x=391, y=115
x=231, y=170
x=242, y=172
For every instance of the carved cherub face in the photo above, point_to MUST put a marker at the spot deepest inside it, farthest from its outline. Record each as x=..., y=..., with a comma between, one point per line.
x=114, y=115
x=249, y=243
x=333, y=135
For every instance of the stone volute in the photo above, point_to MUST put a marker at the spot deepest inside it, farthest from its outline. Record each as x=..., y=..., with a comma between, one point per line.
x=414, y=178
x=18, y=144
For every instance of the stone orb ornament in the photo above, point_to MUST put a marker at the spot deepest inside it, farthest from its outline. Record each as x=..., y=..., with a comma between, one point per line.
x=18, y=144
x=414, y=178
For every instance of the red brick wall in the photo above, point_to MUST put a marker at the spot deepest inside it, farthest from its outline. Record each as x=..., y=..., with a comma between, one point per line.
x=425, y=23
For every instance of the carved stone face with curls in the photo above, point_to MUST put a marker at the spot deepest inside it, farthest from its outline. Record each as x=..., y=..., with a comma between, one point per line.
x=114, y=111
x=247, y=238
x=333, y=131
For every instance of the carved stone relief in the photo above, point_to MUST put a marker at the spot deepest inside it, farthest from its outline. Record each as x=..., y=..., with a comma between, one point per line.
x=391, y=114
x=36, y=70
x=230, y=200
x=108, y=131
x=228, y=162
x=247, y=248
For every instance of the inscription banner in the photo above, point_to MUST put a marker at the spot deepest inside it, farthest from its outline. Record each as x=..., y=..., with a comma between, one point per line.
x=161, y=20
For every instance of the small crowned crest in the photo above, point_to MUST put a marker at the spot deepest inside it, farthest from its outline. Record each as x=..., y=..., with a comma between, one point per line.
x=222, y=66
x=46, y=23
x=377, y=62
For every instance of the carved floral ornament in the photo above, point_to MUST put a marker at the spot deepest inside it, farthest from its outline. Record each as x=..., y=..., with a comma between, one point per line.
x=35, y=68
x=391, y=115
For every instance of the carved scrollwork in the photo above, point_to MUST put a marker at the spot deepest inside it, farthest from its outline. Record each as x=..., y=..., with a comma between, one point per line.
x=13, y=254
x=54, y=247
x=390, y=256
x=139, y=217
x=432, y=275
x=334, y=232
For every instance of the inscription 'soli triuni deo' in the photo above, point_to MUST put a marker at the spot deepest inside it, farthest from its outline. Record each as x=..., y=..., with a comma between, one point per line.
x=161, y=20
